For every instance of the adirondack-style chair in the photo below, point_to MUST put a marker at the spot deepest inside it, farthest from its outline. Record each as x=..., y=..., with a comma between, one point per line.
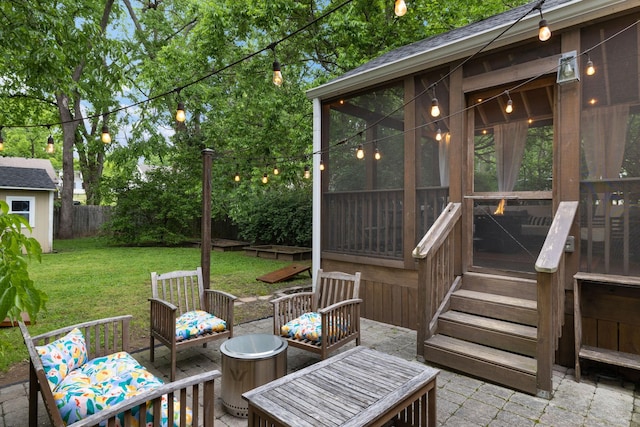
x=184, y=314
x=323, y=320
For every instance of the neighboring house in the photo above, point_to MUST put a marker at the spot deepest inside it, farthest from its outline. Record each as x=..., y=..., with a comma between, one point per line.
x=28, y=186
x=486, y=289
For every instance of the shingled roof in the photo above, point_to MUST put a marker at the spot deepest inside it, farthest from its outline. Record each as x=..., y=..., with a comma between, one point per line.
x=460, y=43
x=17, y=178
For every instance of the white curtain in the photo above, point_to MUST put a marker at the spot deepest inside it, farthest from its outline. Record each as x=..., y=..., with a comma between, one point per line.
x=604, y=133
x=510, y=140
x=443, y=159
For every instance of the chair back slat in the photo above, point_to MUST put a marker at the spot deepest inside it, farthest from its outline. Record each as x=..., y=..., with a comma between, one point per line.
x=335, y=286
x=184, y=289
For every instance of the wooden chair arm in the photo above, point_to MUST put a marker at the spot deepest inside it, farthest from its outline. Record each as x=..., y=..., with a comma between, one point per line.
x=338, y=305
x=288, y=307
x=163, y=318
x=202, y=415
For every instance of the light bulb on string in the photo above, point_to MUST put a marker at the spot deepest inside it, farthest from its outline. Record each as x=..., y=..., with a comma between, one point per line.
x=236, y=177
x=1, y=140
x=439, y=135
x=307, y=172
x=50, y=146
x=544, y=32
x=321, y=165
x=400, y=8
x=435, y=107
x=265, y=178
x=276, y=171
x=180, y=114
x=106, y=136
x=360, y=152
x=509, y=108
x=591, y=70
x=376, y=154
x=277, y=74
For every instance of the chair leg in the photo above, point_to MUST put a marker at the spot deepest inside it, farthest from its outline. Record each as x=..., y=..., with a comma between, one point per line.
x=152, y=347
x=174, y=358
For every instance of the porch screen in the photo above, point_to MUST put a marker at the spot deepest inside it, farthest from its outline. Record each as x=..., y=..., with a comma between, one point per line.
x=363, y=197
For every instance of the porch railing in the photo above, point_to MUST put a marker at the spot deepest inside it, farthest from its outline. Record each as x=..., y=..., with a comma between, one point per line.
x=371, y=223
x=550, y=290
x=436, y=271
x=610, y=226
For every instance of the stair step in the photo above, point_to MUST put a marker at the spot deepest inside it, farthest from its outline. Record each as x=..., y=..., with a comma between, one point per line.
x=511, y=286
x=508, y=336
x=497, y=366
x=511, y=309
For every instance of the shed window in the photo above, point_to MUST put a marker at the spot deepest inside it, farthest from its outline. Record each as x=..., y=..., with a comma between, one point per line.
x=24, y=206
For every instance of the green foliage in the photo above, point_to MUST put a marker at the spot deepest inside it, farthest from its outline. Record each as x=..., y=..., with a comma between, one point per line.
x=156, y=210
x=277, y=217
x=17, y=292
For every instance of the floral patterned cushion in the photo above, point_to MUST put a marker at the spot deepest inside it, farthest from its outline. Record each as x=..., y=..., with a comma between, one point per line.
x=63, y=356
x=309, y=327
x=194, y=323
x=106, y=381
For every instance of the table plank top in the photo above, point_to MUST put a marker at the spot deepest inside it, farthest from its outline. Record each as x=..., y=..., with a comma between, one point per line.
x=348, y=389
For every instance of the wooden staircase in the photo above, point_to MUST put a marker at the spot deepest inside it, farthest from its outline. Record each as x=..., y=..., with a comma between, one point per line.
x=489, y=331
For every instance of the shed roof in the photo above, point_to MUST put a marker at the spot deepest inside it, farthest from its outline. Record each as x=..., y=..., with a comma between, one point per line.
x=20, y=178
x=465, y=41
x=23, y=162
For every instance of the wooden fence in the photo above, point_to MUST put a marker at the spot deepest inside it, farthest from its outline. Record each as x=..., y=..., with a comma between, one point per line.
x=87, y=220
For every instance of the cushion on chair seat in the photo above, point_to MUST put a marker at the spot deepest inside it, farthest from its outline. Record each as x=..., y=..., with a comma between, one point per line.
x=309, y=327
x=106, y=381
x=197, y=322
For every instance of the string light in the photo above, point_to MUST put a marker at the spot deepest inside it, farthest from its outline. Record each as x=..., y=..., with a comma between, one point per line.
x=50, y=147
x=1, y=140
x=276, y=171
x=590, y=70
x=544, y=32
x=400, y=8
x=435, y=107
x=180, y=114
x=236, y=178
x=360, y=152
x=321, y=165
x=509, y=107
x=265, y=178
x=377, y=154
x=106, y=136
x=439, y=135
x=307, y=173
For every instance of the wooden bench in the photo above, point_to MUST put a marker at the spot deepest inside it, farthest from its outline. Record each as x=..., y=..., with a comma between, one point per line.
x=107, y=336
x=613, y=357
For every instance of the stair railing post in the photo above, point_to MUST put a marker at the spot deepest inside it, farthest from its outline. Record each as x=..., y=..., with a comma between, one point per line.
x=545, y=347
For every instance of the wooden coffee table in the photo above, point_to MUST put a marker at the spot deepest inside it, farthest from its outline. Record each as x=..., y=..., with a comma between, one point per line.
x=360, y=387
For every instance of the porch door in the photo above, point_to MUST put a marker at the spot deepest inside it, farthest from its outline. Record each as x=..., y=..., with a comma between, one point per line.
x=509, y=197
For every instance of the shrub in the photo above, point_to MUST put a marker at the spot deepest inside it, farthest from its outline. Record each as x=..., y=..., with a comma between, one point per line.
x=280, y=216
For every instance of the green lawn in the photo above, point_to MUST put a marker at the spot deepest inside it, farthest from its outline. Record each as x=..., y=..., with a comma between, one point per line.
x=85, y=279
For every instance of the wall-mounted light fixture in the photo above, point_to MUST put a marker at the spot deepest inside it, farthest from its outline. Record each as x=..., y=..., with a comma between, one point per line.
x=568, y=68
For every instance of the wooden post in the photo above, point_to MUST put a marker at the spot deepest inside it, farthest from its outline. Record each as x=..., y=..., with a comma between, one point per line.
x=205, y=243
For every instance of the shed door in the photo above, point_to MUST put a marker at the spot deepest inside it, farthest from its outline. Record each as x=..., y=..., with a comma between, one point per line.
x=509, y=199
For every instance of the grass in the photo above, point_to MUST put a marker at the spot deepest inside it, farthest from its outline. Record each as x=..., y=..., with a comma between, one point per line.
x=86, y=279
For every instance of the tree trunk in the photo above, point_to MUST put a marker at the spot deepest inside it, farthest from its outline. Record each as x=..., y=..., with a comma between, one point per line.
x=65, y=228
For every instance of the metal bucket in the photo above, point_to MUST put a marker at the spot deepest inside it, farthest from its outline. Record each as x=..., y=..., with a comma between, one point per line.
x=249, y=361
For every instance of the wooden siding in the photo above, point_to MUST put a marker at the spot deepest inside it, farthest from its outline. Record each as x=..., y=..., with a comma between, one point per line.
x=389, y=295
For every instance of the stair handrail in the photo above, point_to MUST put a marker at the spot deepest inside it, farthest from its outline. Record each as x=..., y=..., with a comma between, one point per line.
x=550, y=292
x=436, y=274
